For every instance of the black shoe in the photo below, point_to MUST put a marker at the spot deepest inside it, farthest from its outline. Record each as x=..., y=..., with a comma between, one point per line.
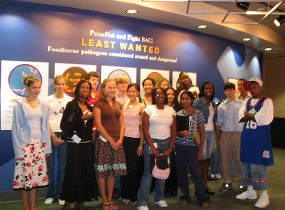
x=226, y=187
x=212, y=179
x=209, y=191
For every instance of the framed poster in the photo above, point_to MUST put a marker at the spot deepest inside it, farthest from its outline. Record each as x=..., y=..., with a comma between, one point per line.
x=116, y=71
x=156, y=74
x=12, y=87
x=73, y=74
x=175, y=77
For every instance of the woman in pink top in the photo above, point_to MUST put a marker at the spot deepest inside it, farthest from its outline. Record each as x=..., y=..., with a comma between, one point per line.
x=133, y=145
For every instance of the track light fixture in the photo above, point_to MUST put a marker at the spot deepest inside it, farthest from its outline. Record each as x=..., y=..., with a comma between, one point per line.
x=278, y=21
x=243, y=5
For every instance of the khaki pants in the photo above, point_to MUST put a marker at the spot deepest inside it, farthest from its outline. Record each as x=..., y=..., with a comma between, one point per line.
x=230, y=151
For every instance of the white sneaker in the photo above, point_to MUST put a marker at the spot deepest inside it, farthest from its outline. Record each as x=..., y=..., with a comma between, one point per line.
x=126, y=201
x=249, y=194
x=48, y=201
x=142, y=208
x=218, y=176
x=161, y=203
x=262, y=201
x=61, y=202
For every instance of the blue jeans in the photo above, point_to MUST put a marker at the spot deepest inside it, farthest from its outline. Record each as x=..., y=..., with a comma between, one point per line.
x=209, y=144
x=147, y=175
x=188, y=156
x=215, y=164
x=255, y=175
x=57, y=158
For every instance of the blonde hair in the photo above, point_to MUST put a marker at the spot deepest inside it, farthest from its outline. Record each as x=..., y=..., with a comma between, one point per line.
x=122, y=79
x=102, y=88
x=163, y=80
x=29, y=80
x=56, y=80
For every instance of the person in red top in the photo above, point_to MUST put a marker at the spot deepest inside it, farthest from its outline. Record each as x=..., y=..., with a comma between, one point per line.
x=93, y=78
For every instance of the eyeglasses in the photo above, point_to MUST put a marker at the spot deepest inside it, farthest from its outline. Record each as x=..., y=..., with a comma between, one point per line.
x=160, y=94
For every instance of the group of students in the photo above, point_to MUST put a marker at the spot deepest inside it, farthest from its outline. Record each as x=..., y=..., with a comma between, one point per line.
x=98, y=136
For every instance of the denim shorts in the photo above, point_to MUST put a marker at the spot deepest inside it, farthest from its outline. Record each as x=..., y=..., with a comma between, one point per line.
x=255, y=175
x=209, y=144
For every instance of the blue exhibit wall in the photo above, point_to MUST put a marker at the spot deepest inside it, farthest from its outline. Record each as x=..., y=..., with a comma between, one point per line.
x=29, y=32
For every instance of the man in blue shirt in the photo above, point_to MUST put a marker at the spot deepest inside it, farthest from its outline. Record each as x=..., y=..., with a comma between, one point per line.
x=229, y=134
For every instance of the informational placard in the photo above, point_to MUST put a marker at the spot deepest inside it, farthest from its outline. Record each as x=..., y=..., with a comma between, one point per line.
x=117, y=71
x=12, y=87
x=73, y=74
x=175, y=76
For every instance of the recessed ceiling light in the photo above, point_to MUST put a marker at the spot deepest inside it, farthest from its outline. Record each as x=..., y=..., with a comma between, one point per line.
x=132, y=11
x=267, y=49
x=260, y=9
x=246, y=39
x=202, y=26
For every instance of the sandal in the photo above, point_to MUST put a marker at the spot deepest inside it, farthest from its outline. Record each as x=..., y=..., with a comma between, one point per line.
x=114, y=206
x=77, y=207
x=205, y=204
x=65, y=206
x=105, y=206
x=183, y=202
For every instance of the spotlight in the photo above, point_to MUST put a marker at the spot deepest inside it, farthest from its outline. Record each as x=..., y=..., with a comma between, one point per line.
x=202, y=26
x=278, y=21
x=246, y=39
x=131, y=11
x=243, y=5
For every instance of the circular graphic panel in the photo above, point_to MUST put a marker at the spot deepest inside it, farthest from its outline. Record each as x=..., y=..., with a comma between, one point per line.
x=119, y=73
x=72, y=76
x=17, y=76
x=157, y=77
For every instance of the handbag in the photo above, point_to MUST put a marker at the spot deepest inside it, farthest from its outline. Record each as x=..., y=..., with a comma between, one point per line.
x=161, y=169
x=196, y=135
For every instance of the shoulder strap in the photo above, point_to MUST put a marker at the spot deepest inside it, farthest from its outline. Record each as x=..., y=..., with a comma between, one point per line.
x=262, y=100
x=248, y=103
x=195, y=122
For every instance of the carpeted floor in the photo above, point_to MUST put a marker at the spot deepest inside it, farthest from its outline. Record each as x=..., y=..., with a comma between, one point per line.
x=219, y=201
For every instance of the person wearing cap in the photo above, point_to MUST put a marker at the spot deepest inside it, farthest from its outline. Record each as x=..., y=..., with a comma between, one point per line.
x=256, y=150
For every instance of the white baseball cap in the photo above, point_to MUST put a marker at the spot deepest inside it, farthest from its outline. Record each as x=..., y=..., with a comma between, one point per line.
x=255, y=79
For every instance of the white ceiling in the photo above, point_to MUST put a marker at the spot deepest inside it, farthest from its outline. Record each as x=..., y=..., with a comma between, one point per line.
x=264, y=34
